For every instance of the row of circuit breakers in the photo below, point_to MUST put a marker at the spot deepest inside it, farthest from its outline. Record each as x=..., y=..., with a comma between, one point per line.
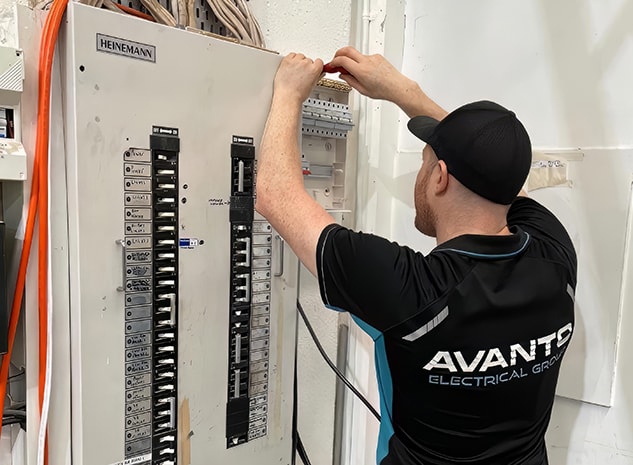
x=150, y=250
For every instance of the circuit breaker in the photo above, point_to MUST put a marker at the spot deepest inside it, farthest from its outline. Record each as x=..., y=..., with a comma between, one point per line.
x=181, y=298
x=326, y=124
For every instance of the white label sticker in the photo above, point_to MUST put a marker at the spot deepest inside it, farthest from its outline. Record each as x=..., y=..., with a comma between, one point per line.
x=135, y=460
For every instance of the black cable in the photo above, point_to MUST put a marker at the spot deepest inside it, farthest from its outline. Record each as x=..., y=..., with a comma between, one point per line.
x=14, y=421
x=332, y=366
x=13, y=416
x=14, y=413
x=295, y=401
x=17, y=375
x=301, y=450
x=297, y=444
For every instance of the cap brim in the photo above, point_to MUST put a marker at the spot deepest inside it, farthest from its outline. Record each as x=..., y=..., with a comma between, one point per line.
x=422, y=127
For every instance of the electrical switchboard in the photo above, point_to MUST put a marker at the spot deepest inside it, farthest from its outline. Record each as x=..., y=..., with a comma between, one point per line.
x=181, y=298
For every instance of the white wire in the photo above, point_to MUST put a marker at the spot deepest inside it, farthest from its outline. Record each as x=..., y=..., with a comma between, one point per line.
x=109, y=4
x=175, y=10
x=238, y=20
x=41, y=439
x=253, y=25
x=220, y=14
x=41, y=442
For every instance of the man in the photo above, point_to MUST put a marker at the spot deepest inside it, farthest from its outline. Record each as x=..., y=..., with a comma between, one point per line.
x=468, y=338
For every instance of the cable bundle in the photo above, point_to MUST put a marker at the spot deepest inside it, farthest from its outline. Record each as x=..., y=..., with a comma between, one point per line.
x=238, y=20
x=235, y=16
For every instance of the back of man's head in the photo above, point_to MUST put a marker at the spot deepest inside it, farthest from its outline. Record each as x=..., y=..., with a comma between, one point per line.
x=485, y=147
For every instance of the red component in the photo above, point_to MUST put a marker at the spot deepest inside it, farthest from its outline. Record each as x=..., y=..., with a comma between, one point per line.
x=306, y=172
x=328, y=68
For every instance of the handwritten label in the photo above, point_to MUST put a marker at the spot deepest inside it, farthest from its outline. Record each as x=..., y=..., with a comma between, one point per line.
x=218, y=202
x=142, y=155
x=138, y=213
x=138, y=367
x=137, y=169
x=134, y=340
x=548, y=164
x=141, y=200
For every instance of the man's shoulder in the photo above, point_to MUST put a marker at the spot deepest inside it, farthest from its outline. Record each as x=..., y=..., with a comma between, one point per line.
x=543, y=225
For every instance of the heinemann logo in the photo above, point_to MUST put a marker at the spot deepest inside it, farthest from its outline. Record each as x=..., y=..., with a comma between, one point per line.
x=126, y=48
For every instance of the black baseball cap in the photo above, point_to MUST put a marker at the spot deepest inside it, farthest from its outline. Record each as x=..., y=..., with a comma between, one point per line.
x=484, y=146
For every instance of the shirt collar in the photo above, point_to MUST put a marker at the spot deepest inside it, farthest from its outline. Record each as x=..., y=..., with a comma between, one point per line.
x=487, y=247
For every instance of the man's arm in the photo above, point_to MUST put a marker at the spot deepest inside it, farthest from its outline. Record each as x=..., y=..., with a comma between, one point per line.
x=374, y=77
x=281, y=196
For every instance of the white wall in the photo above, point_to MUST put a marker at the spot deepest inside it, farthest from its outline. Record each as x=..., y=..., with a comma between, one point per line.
x=317, y=28
x=565, y=67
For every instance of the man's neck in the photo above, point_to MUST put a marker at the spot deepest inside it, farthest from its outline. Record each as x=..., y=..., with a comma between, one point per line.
x=447, y=232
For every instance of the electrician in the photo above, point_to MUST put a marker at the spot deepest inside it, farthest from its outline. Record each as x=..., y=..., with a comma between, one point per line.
x=468, y=338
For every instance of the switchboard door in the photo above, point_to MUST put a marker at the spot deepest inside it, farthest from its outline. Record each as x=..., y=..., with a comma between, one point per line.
x=168, y=262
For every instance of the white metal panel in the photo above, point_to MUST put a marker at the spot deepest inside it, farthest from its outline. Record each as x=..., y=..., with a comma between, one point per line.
x=210, y=89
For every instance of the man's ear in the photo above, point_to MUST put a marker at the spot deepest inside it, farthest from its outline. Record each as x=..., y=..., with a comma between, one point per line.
x=441, y=183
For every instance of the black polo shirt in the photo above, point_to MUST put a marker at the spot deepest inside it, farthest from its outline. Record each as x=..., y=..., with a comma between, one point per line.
x=468, y=338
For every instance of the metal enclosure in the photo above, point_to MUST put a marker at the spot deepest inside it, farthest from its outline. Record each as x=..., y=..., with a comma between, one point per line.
x=181, y=301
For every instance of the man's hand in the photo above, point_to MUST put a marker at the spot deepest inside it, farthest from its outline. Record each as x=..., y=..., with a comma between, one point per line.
x=296, y=77
x=371, y=75
x=374, y=77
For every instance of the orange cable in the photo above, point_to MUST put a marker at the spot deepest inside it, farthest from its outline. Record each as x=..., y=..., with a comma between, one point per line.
x=38, y=200
x=47, y=54
x=133, y=12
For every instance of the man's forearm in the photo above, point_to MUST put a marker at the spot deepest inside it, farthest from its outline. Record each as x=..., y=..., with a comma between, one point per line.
x=279, y=165
x=414, y=102
x=281, y=196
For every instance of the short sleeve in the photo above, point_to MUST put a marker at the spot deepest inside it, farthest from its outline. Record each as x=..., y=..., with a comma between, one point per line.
x=542, y=224
x=374, y=279
x=537, y=220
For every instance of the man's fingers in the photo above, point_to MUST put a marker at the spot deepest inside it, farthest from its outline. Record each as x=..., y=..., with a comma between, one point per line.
x=350, y=52
x=350, y=65
x=352, y=81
